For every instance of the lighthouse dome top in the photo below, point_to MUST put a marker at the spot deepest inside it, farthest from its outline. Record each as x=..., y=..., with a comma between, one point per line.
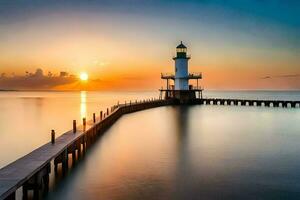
x=181, y=51
x=181, y=46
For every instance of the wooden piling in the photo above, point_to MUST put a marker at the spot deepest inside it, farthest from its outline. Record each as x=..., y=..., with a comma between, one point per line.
x=65, y=161
x=84, y=122
x=293, y=104
x=74, y=126
x=94, y=117
x=84, y=144
x=101, y=115
x=46, y=181
x=52, y=136
x=73, y=154
x=258, y=103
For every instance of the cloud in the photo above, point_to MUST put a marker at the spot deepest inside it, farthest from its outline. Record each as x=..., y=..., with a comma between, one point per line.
x=35, y=80
x=282, y=76
x=266, y=77
x=288, y=76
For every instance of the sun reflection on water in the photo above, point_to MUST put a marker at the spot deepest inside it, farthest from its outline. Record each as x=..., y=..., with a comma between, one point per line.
x=83, y=104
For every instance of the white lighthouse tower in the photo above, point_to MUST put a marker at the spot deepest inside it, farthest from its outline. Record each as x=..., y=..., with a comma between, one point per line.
x=181, y=68
x=182, y=90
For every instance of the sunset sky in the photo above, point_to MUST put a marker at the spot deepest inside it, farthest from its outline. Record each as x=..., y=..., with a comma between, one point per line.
x=126, y=44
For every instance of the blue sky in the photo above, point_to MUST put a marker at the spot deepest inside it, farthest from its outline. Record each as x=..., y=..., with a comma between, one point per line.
x=276, y=20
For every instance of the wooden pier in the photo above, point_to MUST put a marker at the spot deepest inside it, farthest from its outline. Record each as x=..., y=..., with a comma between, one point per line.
x=31, y=172
x=249, y=102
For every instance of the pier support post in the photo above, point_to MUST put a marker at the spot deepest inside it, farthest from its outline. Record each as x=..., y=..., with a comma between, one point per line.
x=73, y=157
x=24, y=192
x=293, y=105
x=65, y=161
x=74, y=126
x=84, y=144
x=94, y=117
x=45, y=177
x=72, y=150
x=84, y=123
x=46, y=183
x=39, y=181
x=55, y=166
x=52, y=136
x=101, y=115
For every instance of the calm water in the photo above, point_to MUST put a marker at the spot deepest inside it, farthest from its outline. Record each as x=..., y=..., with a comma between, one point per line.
x=196, y=152
x=26, y=118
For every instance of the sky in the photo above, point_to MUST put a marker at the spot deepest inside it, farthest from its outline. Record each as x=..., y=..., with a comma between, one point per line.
x=126, y=44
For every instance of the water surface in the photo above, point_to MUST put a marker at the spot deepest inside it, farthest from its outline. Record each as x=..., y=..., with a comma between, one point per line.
x=27, y=118
x=197, y=152
x=174, y=152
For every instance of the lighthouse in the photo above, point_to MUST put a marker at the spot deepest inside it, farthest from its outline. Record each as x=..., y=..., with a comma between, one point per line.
x=181, y=68
x=182, y=89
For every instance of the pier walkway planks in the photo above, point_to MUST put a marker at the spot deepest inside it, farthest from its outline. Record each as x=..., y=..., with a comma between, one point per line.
x=18, y=172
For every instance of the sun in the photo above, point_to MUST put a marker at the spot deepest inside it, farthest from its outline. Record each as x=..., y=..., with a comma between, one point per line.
x=84, y=76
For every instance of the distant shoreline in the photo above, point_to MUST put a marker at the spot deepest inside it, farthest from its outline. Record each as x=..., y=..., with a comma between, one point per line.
x=2, y=90
x=208, y=90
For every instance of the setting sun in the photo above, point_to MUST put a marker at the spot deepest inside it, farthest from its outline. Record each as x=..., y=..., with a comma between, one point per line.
x=84, y=76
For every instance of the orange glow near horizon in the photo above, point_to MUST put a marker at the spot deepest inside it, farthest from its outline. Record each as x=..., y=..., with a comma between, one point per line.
x=119, y=60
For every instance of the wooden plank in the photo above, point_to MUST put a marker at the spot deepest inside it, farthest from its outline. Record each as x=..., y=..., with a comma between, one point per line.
x=16, y=173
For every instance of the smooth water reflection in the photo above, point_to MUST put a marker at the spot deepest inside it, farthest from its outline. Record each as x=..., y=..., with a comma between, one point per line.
x=26, y=118
x=197, y=152
x=83, y=109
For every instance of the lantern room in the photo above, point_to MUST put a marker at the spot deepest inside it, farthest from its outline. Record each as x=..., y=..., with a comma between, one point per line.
x=181, y=51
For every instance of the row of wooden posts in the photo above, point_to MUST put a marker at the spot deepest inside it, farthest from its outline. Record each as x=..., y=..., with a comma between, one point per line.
x=205, y=101
x=266, y=103
x=103, y=115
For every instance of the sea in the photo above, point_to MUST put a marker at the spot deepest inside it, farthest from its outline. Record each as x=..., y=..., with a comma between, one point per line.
x=172, y=152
